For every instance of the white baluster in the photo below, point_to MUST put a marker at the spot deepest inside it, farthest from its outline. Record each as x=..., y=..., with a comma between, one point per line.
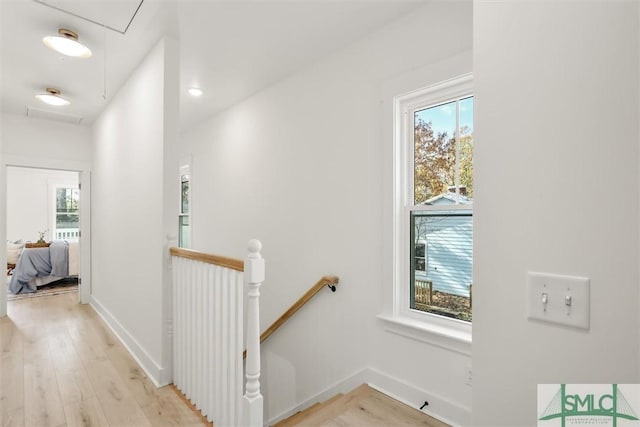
x=254, y=276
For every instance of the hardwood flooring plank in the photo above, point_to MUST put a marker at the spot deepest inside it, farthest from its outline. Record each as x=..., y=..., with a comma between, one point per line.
x=74, y=387
x=88, y=348
x=86, y=413
x=63, y=352
x=168, y=409
x=364, y=406
x=132, y=375
x=10, y=337
x=11, y=390
x=117, y=402
x=42, y=404
x=12, y=419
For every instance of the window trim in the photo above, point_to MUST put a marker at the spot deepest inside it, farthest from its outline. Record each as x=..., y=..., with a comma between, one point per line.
x=445, y=332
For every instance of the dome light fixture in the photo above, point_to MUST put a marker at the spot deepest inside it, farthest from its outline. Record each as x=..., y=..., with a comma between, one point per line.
x=52, y=97
x=66, y=42
x=194, y=91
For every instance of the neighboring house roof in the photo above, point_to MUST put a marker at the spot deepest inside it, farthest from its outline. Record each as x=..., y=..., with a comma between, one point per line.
x=448, y=198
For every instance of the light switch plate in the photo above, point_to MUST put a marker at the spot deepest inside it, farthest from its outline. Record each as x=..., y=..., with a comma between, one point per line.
x=558, y=288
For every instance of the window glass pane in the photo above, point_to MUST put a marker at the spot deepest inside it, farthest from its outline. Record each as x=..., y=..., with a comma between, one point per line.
x=466, y=147
x=184, y=236
x=434, y=151
x=67, y=221
x=184, y=195
x=441, y=271
x=67, y=199
x=67, y=208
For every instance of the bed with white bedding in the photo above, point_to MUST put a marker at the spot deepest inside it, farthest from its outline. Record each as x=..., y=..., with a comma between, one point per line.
x=39, y=266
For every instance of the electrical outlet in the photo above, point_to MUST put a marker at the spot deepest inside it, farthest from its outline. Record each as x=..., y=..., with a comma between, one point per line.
x=467, y=375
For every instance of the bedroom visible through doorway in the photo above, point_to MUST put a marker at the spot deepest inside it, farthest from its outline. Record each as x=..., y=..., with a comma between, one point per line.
x=43, y=231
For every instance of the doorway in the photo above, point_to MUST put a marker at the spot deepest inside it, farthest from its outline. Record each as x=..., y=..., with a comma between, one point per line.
x=50, y=201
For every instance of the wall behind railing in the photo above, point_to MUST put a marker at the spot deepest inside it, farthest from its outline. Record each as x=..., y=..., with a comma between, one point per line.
x=299, y=166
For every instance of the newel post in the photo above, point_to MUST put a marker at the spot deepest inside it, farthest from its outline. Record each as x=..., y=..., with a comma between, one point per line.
x=253, y=276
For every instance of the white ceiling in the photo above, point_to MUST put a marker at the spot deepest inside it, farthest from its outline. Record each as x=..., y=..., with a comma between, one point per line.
x=231, y=49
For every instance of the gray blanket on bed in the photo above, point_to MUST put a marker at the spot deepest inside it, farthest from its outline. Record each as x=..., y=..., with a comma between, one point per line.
x=39, y=262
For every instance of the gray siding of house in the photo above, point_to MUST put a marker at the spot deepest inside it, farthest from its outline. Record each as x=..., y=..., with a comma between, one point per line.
x=449, y=254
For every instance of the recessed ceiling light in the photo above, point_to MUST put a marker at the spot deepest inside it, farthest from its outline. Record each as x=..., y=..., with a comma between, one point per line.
x=52, y=97
x=194, y=91
x=67, y=44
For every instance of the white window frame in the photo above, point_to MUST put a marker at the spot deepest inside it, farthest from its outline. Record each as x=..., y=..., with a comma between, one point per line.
x=446, y=332
x=53, y=186
x=54, y=230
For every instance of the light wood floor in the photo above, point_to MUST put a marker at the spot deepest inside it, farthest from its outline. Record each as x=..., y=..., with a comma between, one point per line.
x=363, y=406
x=60, y=365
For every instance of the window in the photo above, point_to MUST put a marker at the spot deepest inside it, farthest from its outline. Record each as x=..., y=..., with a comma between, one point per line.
x=184, y=223
x=67, y=223
x=433, y=185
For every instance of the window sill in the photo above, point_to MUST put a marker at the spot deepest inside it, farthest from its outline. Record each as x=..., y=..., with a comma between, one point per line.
x=438, y=335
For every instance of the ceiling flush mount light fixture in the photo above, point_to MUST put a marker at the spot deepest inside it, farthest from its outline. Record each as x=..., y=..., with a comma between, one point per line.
x=66, y=42
x=194, y=91
x=52, y=97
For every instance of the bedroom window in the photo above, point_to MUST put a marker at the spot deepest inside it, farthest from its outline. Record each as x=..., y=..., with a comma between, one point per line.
x=434, y=205
x=67, y=223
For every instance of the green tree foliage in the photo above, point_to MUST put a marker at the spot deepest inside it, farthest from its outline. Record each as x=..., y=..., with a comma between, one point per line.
x=466, y=160
x=435, y=161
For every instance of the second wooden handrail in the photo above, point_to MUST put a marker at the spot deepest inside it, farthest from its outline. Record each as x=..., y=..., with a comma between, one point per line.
x=330, y=281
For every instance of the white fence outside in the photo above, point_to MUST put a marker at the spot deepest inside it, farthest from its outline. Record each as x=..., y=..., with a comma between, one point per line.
x=67, y=233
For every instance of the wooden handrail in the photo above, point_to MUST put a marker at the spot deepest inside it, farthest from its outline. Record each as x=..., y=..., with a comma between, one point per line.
x=330, y=281
x=222, y=261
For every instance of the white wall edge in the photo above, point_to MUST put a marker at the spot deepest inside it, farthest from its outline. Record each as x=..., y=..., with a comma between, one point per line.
x=158, y=375
x=439, y=407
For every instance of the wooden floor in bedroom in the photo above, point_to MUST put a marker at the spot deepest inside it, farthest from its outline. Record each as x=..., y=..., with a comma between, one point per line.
x=60, y=365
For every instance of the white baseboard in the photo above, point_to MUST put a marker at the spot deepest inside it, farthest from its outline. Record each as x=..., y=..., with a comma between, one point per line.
x=439, y=407
x=158, y=375
x=443, y=409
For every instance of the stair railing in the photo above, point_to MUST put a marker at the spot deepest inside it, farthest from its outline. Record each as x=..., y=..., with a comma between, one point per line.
x=254, y=276
x=330, y=281
x=207, y=334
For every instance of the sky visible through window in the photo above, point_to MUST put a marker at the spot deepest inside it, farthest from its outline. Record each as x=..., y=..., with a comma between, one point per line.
x=443, y=117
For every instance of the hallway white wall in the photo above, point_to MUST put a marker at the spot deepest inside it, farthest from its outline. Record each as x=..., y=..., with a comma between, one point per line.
x=299, y=166
x=129, y=195
x=46, y=139
x=557, y=190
